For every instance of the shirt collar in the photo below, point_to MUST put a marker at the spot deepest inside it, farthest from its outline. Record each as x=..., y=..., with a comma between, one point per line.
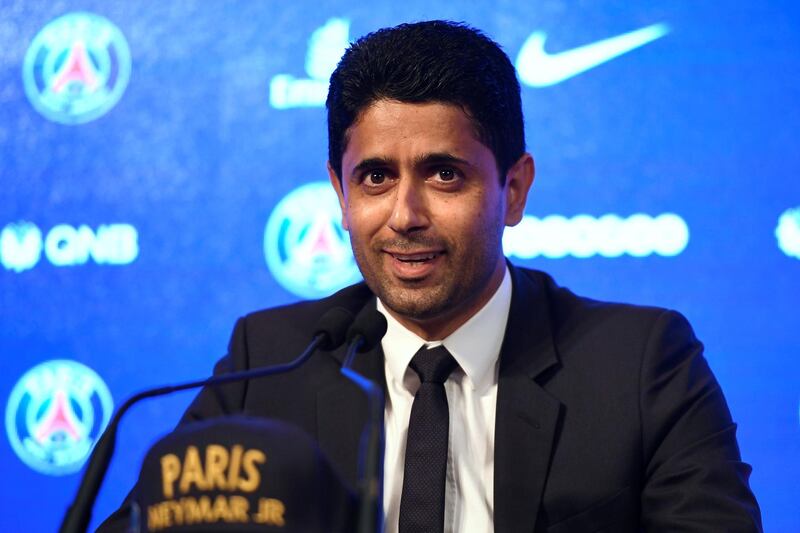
x=475, y=345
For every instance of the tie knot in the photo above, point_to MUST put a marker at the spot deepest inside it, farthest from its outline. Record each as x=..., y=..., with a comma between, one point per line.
x=433, y=365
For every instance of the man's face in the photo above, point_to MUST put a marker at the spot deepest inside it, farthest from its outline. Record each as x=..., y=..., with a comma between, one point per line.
x=422, y=200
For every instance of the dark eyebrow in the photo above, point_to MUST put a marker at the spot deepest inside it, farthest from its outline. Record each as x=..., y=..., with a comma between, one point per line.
x=372, y=163
x=440, y=158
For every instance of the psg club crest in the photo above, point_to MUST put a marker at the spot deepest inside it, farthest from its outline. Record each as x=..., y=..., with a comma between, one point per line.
x=56, y=413
x=76, y=68
x=305, y=246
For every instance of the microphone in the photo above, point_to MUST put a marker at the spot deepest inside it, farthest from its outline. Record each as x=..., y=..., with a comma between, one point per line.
x=367, y=330
x=328, y=334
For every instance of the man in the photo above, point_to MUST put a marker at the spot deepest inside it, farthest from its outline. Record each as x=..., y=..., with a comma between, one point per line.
x=512, y=404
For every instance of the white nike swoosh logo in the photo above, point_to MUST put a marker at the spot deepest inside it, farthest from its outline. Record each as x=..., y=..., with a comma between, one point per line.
x=537, y=68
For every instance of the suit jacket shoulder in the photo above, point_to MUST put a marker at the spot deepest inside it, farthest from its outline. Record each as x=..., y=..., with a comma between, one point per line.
x=633, y=421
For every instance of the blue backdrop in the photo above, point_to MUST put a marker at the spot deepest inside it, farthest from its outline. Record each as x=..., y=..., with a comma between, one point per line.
x=159, y=164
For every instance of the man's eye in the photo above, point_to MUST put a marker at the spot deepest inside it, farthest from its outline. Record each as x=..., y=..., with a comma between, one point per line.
x=375, y=178
x=447, y=174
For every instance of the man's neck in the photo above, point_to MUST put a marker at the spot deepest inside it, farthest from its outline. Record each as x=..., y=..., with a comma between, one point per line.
x=438, y=328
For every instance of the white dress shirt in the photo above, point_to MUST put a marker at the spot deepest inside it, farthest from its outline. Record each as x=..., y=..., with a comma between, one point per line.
x=472, y=399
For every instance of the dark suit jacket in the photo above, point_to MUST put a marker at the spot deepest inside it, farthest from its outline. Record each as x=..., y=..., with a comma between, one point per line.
x=608, y=417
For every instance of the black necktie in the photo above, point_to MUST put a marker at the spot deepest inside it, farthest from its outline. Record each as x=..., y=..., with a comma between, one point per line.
x=422, y=502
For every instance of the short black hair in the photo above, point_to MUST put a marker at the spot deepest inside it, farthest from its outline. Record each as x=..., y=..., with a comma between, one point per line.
x=431, y=61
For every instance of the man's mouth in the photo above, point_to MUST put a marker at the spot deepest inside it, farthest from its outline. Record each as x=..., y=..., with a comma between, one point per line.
x=414, y=266
x=421, y=257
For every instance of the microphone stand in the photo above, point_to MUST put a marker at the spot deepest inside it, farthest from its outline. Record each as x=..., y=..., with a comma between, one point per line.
x=370, y=512
x=78, y=515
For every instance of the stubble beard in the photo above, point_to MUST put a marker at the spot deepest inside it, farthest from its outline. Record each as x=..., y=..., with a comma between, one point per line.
x=466, y=274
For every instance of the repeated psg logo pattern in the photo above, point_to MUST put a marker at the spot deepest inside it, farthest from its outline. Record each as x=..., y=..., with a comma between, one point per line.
x=305, y=246
x=76, y=68
x=55, y=414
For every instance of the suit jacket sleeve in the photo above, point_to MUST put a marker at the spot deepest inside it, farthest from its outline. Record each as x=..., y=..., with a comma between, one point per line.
x=694, y=477
x=228, y=398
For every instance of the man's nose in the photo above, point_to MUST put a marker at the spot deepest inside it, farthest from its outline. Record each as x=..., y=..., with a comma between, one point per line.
x=409, y=212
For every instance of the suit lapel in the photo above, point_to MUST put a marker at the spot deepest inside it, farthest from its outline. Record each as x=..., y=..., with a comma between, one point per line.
x=526, y=419
x=342, y=410
x=527, y=415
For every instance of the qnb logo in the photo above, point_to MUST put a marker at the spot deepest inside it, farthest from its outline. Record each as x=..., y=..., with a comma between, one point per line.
x=76, y=68
x=55, y=414
x=788, y=232
x=21, y=245
x=584, y=236
x=305, y=246
x=325, y=48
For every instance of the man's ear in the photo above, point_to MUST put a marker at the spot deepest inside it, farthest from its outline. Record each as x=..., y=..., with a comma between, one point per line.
x=336, y=183
x=518, y=182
